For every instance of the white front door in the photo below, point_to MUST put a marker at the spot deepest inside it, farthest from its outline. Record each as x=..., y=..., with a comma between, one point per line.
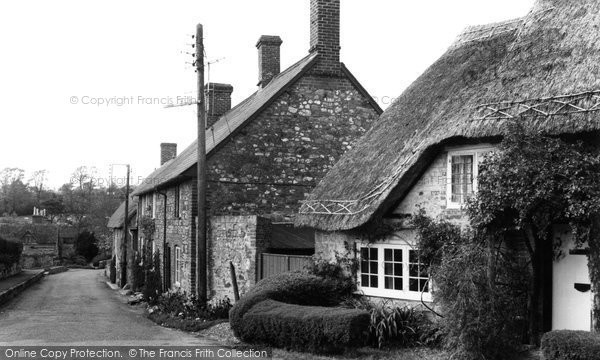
x=571, y=299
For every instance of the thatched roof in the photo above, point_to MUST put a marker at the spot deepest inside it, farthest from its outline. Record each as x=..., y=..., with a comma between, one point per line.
x=116, y=220
x=541, y=70
x=227, y=125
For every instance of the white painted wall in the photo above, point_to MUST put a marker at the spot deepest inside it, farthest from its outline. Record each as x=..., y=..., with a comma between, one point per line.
x=571, y=309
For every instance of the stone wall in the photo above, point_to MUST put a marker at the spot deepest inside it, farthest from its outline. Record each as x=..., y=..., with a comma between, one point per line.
x=8, y=271
x=39, y=256
x=273, y=162
x=236, y=239
x=180, y=232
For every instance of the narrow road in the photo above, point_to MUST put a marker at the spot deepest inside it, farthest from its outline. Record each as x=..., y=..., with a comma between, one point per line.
x=78, y=308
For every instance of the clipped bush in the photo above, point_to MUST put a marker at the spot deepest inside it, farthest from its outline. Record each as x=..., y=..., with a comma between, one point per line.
x=294, y=311
x=571, y=345
x=305, y=328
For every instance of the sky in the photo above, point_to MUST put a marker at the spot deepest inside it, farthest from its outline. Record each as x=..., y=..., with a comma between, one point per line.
x=85, y=83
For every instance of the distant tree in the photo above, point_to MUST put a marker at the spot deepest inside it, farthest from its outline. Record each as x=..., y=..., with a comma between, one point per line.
x=38, y=181
x=86, y=245
x=54, y=206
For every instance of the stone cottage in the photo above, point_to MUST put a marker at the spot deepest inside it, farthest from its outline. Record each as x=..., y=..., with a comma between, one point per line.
x=117, y=224
x=263, y=156
x=425, y=149
x=44, y=244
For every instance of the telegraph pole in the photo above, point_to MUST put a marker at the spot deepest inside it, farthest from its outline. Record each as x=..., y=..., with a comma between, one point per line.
x=201, y=210
x=129, y=242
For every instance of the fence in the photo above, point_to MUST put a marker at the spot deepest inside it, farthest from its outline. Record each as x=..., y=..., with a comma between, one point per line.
x=271, y=264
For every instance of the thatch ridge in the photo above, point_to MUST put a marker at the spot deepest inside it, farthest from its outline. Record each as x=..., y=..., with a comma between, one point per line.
x=553, y=53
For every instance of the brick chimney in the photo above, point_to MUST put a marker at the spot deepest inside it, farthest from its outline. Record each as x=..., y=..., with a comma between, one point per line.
x=268, y=58
x=325, y=35
x=218, y=98
x=168, y=151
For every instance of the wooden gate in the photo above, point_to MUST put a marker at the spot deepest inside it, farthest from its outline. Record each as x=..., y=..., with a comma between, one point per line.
x=271, y=264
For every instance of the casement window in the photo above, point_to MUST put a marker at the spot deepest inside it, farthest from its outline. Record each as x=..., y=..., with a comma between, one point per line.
x=462, y=170
x=178, y=266
x=393, y=271
x=177, y=199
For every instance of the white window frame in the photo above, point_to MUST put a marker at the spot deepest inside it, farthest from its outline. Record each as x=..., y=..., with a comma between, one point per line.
x=178, y=266
x=477, y=152
x=381, y=291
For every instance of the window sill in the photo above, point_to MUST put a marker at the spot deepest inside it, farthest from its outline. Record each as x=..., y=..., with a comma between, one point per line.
x=396, y=294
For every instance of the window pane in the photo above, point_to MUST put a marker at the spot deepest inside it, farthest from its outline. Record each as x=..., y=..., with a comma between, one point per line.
x=364, y=266
x=413, y=256
x=424, y=285
x=413, y=285
x=413, y=270
x=398, y=283
x=398, y=269
x=364, y=280
x=389, y=269
x=374, y=282
x=398, y=255
x=389, y=282
x=388, y=254
x=373, y=267
x=373, y=254
x=364, y=253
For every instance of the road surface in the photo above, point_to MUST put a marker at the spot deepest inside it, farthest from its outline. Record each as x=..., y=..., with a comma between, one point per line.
x=78, y=308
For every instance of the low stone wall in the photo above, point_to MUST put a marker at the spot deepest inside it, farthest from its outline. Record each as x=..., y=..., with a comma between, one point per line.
x=7, y=271
x=39, y=256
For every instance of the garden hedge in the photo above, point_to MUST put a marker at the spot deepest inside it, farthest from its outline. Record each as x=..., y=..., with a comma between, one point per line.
x=10, y=252
x=295, y=311
x=571, y=345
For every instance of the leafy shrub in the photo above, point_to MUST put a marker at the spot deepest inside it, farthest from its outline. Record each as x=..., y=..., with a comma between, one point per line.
x=397, y=326
x=85, y=245
x=305, y=328
x=153, y=283
x=571, y=345
x=179, y=304
x=10, y=252
x=307, y=321
x=483, y=309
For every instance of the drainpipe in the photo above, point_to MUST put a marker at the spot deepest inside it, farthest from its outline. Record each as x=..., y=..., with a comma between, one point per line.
x=164, y=253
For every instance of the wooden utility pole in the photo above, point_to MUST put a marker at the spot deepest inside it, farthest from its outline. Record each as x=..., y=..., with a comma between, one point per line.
x=128, y=241
x=201, y=209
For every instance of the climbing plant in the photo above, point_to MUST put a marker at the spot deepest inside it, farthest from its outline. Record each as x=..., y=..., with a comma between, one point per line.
x=532, y=183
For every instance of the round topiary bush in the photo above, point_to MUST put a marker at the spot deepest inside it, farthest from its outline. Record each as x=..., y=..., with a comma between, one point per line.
x=571, y=345
x=296, y=311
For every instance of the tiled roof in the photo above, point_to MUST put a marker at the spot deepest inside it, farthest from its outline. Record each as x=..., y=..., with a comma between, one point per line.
x=231, y=121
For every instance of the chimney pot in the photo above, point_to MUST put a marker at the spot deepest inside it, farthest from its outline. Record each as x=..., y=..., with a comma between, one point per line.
x=218, y=97
x=168, y=151
x=268, y=58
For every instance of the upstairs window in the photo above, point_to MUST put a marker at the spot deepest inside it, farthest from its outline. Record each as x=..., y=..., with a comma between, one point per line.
x=461, y=177
x=462, y=173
